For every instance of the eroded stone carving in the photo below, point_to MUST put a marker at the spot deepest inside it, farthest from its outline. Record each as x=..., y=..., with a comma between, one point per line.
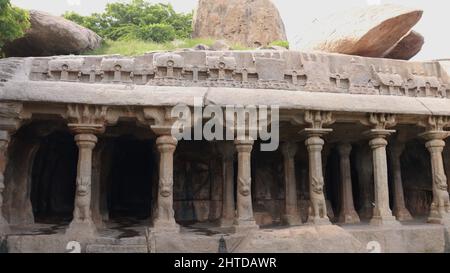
x=399, y=209
x=244, y=218
x=348, y=213
x=382, y=214
x=4, y=140
x=85, y=122
x=292, y=213
x=227, y=152
x=314, y=143
x=288, y=70
x=435, y=135
x=165, y=216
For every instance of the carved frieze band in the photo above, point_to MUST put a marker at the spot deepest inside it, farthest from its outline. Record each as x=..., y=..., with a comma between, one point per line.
x=289, y=70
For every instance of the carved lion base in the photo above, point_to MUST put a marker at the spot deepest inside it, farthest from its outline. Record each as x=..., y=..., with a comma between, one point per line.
x=436, y=218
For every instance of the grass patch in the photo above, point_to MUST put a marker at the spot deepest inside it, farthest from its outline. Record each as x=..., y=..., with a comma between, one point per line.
x=132, y=47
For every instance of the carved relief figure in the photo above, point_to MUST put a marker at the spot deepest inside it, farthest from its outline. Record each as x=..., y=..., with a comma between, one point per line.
x=441, y=200
x=82, y=211
x=318, y=207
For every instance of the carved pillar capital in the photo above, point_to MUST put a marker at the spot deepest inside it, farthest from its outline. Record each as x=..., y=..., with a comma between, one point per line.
x=160, y=120
x=380, y=121
x=86, y=119
x=435, y=123
x=318, y=119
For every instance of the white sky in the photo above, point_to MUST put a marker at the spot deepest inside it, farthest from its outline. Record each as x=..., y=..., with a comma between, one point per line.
x=296, y=14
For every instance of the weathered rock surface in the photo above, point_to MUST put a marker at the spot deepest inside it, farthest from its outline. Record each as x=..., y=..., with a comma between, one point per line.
x=52, y=35
x=408, y=47
x=369, y=32
x=247, y=22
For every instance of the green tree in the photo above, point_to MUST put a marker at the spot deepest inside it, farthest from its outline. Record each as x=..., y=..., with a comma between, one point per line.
x=137, y=19
x=13, y=22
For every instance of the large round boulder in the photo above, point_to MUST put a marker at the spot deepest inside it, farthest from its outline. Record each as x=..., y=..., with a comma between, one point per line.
x=371, y=31
x=52, y=35
x=251, y=23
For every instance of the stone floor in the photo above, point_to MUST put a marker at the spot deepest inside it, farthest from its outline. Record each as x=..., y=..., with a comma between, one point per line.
x=127, y=235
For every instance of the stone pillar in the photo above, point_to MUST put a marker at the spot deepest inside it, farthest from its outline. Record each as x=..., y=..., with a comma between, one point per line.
x=292, y=213
x=347, y=213
x=325, y=154
x=440, y=207
x=244, y=218
x=164, y=220
x=82, y=224
x=85, y=121
x=4, y=141
x=228, y=205
x=382, y=214
x=318, y=208
x=97, y=189
x=400, y=211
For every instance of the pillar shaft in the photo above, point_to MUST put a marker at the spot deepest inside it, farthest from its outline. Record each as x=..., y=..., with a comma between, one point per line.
x=82, y=224
x=348, y=213
x=228, y=204
x=440, y=207
x=4, y=142
x=245, y=218
x=292, y=213
x=318, y=207
x=165, y=216
x=382, y=214
x=400, y=211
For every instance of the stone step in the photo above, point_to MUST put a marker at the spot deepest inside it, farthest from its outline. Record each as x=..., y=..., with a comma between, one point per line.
x=129, y=248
